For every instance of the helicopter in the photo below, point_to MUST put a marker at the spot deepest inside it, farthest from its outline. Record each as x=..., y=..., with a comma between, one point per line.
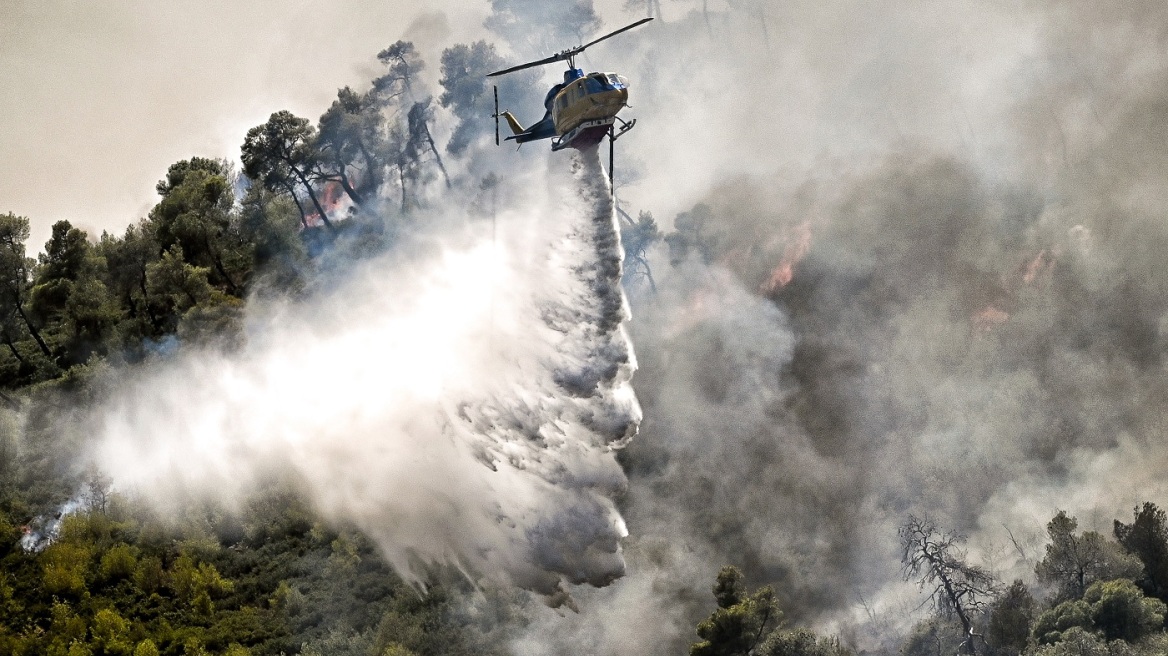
x=581, y=111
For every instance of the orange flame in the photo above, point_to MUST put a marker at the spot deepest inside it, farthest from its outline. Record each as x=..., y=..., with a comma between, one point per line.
x=1040, y=264
x=989, y=318
x=331, y=196
x=1030, y=272
x=797, y=243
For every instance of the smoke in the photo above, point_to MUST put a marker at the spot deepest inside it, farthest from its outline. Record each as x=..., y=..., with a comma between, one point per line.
x=973, y=330
x=45, y=529
x=459, y=400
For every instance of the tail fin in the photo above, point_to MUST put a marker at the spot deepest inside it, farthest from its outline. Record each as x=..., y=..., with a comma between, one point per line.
x=514, y=124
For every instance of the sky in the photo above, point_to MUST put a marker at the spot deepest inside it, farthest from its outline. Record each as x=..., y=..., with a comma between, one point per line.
x=99, y=99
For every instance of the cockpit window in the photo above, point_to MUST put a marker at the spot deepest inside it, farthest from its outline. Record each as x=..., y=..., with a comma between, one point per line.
x=614, y=80
x=593, y=85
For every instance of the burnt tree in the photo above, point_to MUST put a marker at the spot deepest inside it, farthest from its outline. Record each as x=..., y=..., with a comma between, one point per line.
x=935, y=559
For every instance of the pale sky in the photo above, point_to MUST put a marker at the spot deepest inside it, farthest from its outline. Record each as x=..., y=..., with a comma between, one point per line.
x=98, y=99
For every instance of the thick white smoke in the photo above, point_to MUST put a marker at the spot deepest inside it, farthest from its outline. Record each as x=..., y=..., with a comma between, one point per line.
x=462, y=405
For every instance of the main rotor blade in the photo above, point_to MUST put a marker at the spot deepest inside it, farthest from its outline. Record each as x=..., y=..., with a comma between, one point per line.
x=611, y=34
x=562, y=56
x=547, y=60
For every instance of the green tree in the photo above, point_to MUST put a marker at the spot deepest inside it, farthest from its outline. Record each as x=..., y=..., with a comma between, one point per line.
x=1074, y=561
x=1121, y=611
x=69, y=296
x=146, y=648
x=111, y=633
x=801, y=642
x=420, y=140
x=339, y=642
x=119, y=562
x=1117, y=609
x=65, y=628
x=127, y=259
x=464, y=71
x=176, y=285
x=1147, y=538
x=1011, y=615
x=270, y=222
x=695, y=231
x=349, y=139
x=16, y=274
x=1053, y=623
x=637, y=237
x=740, y=623
x=404, y=64
x=936, y=636
x=196, y=584
x=196, y=214
x=65, y=566
x=280, y=154
x=149, y=574
x=1077, y=641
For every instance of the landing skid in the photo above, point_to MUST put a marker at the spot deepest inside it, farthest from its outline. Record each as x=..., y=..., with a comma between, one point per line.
x=569, y=138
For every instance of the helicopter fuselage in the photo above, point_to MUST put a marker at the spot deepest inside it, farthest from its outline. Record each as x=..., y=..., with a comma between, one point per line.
x=587, y=98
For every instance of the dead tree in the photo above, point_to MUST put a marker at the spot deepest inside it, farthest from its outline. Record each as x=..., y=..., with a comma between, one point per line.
x=956, y=588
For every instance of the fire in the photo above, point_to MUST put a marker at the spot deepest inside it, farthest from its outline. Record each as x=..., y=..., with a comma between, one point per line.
x=989, y=318
x=1030, y=273
x=1040, y=264
x=331, y=198
x=797, y=243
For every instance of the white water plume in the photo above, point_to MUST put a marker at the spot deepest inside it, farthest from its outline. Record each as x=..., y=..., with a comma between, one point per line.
x=461, y=406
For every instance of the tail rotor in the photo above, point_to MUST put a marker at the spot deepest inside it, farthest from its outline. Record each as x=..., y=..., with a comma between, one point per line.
x=496, y=116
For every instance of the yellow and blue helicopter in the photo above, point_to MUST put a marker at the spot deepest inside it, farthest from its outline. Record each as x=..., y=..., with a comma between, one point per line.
x=581, y=111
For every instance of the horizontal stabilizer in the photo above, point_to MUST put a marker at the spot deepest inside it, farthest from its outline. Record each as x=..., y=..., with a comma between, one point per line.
x=544, y=129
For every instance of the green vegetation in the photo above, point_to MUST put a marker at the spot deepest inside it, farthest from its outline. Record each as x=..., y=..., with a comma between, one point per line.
x=751, y=624
x=120, y=582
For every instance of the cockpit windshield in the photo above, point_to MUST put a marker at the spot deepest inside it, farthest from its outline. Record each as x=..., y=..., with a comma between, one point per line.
x=594, y=84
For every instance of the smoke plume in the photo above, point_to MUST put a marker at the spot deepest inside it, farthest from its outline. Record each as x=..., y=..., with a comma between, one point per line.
x=911, y=269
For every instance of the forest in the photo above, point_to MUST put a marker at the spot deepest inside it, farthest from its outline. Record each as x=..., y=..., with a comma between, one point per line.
x=938, y=337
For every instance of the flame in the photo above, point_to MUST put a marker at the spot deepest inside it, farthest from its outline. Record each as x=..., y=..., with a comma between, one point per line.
x=1037, y=266
x=1030, y=273
x=988, y=318
x=331, y=197
x=797, y=243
